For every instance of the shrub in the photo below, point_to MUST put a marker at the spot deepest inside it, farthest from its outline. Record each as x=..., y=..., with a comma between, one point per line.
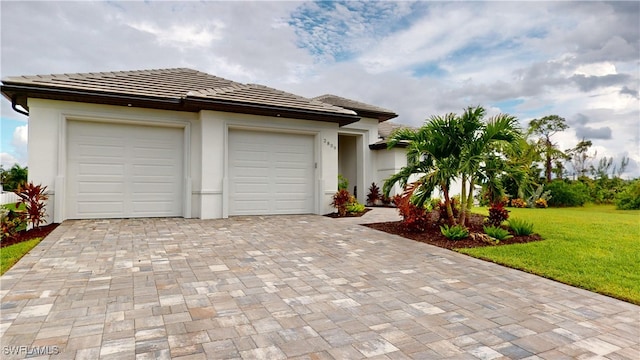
x=355, y=207
x=541, y=203
x=385, y=200
x=518, y=203
x=497, y=232
x=456, y=232
x=521, y=227
x=343, y=183
x=567, y=194
x=374, y=194
x=11, y=222
x=33, y=197
x=340, y=201
x=413, y=217
x=497, y=214
x=629, y=198
x=540, y=193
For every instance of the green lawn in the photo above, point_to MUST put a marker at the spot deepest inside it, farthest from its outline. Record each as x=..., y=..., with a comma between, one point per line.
x=593, y=247
x=11, y=254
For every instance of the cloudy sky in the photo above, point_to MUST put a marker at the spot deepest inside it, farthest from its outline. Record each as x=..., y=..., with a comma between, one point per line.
x=579, y=60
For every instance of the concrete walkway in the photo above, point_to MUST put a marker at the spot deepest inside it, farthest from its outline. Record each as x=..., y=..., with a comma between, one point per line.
x=280, y=287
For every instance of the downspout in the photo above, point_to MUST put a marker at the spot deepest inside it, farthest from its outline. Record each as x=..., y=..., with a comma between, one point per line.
x=14, y=104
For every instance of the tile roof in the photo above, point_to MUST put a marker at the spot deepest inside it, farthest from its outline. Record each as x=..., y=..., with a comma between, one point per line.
x=361, y=108
x=385, y=129
x=161, y=83
x=260, y=94
x=179, y=89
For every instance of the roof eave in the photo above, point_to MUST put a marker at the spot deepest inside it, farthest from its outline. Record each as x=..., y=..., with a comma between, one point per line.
x=380, y=116
x=384, y=145
x=270, y=110
x=21, y=92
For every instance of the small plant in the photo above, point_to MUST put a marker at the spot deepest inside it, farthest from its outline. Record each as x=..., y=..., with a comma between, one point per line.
x=497, y=214
x=413, y=217
x=497, y=232
x=343, y=183
x=456, y=232
x=538, y=194
x=541, y=203
x=374, y=194
x=518, y=203
x=33, y=197
x=341, y=199
x=355, y=208
x=521, y=227
x=11, y=222
x=385, y=200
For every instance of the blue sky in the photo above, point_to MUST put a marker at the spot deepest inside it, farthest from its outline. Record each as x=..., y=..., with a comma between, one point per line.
x=578, y=60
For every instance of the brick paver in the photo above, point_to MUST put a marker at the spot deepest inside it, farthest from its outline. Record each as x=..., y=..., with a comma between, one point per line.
x=279, y=287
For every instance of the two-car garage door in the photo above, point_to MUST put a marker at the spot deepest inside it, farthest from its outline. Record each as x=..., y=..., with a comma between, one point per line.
x=270, y=173
x=123, y=170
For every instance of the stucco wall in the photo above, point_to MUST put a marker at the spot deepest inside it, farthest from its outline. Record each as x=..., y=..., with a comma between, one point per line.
x=205, y=150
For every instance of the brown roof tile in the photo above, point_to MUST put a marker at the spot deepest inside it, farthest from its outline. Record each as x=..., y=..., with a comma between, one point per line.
x=361, y=108
x=173, y=89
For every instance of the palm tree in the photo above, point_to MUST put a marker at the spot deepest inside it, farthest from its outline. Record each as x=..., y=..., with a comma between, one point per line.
x=13, y=177
x=451, y=146
x=433, y=156
x=483, y=149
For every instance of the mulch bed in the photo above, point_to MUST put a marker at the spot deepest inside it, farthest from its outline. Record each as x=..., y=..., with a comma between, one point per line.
x=433, y=236
x=42, y=231
x=335, y=215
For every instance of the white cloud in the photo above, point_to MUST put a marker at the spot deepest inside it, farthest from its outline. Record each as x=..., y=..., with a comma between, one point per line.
x=8, y=160
x=416, y=58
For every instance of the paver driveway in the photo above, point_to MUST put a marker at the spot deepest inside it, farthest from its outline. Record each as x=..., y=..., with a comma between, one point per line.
x=289, y=286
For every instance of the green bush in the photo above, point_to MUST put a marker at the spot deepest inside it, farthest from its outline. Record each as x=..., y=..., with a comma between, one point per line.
x=497, y=232
x=355, y=207
x=629, y=198
x=456, y=232
x=565, y=194
x=343, y=183
x=521, y=227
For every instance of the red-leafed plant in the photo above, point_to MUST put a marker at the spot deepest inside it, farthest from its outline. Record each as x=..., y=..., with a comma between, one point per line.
x=11, y=222
x=497, y=214
x=341, y=199
x=374, y=194
x=33, y=197
x=415, y=218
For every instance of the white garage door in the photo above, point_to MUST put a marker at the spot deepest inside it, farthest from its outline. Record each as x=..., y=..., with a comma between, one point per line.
x=270, y=173
x=121, y=171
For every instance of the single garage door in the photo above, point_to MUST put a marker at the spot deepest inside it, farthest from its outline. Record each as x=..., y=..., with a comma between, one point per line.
x=122, y=171
x=270, y=173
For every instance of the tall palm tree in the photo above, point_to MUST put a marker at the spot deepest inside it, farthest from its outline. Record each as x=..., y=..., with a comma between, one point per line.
x=449, y=147
x=483, y=150
x=432, y=156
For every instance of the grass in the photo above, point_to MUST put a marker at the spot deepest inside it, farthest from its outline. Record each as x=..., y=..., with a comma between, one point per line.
x=11, y=254
x=593, y=247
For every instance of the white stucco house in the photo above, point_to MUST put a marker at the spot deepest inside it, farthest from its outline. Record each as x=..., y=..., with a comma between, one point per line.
x=180, y=142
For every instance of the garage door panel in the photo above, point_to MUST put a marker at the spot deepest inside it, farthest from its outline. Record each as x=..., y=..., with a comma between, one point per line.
x=270, y=173
x=121, y=170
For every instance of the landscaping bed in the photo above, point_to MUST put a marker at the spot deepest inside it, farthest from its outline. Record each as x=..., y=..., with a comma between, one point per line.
x=25, y=235
x=433, y=236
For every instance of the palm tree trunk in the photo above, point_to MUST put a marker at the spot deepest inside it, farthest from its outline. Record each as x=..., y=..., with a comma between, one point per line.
x=463, y=198
x=447, y=204
x=469, y=199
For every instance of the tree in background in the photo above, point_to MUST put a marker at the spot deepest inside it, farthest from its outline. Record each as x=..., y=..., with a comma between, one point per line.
x=545, y=128
x=11, y=179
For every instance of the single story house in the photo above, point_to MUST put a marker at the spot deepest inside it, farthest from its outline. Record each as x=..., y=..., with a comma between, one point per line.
x=180, y=142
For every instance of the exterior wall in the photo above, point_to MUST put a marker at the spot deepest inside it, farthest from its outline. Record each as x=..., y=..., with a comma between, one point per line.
x=48, y=143
x=366, y=132
x=389, y=162
x=214, y=182
x=205, y=149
